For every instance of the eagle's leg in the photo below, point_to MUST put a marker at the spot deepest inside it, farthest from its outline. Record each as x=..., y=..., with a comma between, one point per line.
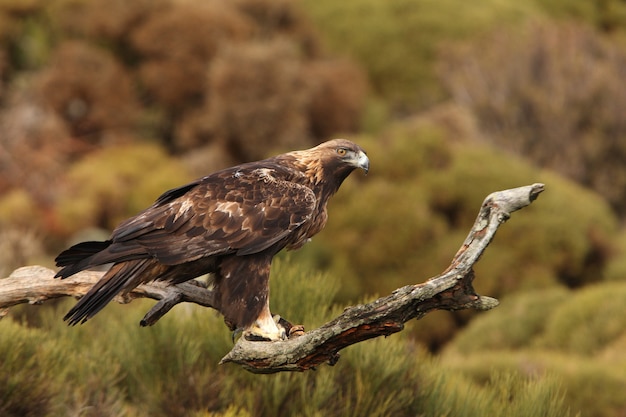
x=265, y=328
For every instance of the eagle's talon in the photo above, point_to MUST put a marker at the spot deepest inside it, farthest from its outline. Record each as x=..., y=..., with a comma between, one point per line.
x=237, y=333
x=291, y=330
x=252, y=337
x=296, y=330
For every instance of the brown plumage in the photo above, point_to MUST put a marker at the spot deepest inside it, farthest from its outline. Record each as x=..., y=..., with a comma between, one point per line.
x=230, y=224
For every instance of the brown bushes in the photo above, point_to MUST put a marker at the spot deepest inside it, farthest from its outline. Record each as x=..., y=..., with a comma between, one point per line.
x=258, y=99
x=177, y=45
x=235, y=80
x=553, y=93
x=89, y=90
x=334, y=85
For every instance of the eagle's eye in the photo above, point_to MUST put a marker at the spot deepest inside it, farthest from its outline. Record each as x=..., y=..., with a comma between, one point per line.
x=342, y=151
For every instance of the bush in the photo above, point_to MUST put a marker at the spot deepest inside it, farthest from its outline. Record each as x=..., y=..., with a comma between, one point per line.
x=607, y=15
x=110, y=185
x=109, y=367
x=396, y=42
x=588, y=321
x=37, y=145
x=90, y=91
x=551, y=93
x=408, y=218
x=616, y=268
x=176, y=46
x=587, y=387
x=24, y=389
x=516, y=324
x=338, y=92
x=283, y=19
x=253, y=111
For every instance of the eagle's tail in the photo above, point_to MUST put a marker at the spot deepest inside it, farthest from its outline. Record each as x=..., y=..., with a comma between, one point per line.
x=89, y=254
x=79, y=257
x=122, y=276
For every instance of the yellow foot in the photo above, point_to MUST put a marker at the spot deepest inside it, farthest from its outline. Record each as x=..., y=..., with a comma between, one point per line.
x=265, y=331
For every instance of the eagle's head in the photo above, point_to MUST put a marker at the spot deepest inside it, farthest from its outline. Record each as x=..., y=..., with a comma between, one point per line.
x=329, y=163
x=343, y=155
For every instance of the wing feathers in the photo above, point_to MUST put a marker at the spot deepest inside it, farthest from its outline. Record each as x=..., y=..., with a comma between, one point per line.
x=221, y=214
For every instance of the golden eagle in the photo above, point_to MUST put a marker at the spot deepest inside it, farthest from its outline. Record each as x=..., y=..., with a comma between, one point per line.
x=229, y=224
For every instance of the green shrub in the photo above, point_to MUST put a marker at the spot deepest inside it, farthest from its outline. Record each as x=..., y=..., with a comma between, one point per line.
x=587, y=387
x=110, y=185
x=111, y=367
x=516, y=324
x=397, y=41
x=25, y=388
x=616, y=268
x=504, y=393
x=404, y=222
x=588, y=321
x=607, y=15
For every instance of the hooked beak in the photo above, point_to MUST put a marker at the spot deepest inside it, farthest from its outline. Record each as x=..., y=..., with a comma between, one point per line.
x=363, y=162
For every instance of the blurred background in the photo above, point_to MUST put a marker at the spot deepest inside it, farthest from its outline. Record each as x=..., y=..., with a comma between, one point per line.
x=106, y=104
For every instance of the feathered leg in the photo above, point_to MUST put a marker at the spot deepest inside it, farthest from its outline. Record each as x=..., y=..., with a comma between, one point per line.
x=242, y=288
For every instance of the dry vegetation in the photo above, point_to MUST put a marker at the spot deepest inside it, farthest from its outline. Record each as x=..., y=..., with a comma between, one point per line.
x=105, y=104
x=553, y=93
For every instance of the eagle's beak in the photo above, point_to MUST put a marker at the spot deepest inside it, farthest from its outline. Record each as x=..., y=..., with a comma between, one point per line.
x=363, y=162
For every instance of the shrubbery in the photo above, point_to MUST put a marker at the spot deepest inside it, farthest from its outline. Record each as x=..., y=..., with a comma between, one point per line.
x=552, y=93
x=110, y=367
x=423, y=193
x=106, y=104
x=247, y=76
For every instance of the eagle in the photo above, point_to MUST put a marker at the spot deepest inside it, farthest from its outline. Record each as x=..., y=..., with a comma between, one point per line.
x=229, y=224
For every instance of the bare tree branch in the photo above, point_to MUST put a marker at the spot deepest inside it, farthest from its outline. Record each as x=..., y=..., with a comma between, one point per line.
x=451, y=290
x=36, y=284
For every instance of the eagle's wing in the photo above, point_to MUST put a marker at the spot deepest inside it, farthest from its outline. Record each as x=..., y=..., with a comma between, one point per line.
x=240, y=210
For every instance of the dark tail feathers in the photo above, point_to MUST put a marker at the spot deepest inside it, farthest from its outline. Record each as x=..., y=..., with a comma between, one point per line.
x=77, y=257
x=120, y=277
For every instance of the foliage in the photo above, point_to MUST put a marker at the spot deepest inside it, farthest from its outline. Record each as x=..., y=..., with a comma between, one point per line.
x=109, y=367
x=575, y=336
x=422, y=195
x=404, y=223
x=506, y=392
x=24, y=391
x=588, y=321
x=590, y=387
x=516, y=324
x=246, y=77
x=616, y=268
x=110, y=185
x=78, y=84
x=397, y=41
x=189, y=33
x=252, y=111
x=92, y=92
x=607, y=15
x=552, y=93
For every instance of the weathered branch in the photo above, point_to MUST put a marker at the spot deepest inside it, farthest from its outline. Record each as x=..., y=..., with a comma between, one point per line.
x=451, y=290
x=36, y=284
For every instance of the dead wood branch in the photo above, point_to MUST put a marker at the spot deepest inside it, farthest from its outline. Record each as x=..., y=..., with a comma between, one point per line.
x=451, y=290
